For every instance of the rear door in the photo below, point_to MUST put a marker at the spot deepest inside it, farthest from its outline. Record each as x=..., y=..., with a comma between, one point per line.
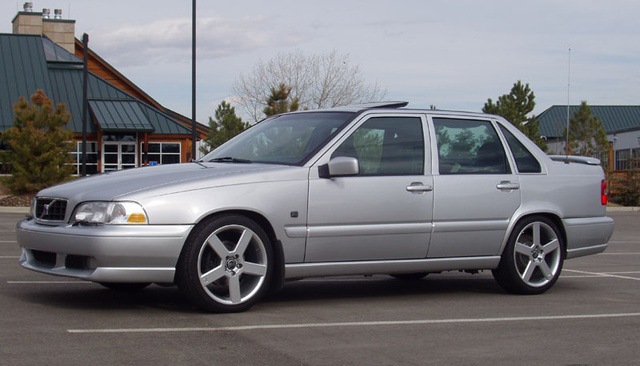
x=384, y=212
x=476, y=191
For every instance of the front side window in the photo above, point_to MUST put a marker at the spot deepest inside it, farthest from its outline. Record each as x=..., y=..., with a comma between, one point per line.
x=469, y=147
x=386, y=146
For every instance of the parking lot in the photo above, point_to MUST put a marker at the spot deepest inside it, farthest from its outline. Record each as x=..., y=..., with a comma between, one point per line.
x=590, y=317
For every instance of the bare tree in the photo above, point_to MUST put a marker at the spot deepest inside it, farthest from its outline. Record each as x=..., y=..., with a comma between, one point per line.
x=316, y=81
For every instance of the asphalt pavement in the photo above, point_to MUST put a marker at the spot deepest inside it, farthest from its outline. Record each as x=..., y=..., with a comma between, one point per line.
x=590, y=317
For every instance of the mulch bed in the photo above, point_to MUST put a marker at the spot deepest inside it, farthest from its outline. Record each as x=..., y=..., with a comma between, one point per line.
x=23, y=200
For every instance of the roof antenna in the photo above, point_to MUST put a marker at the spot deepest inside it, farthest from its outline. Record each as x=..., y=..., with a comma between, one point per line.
x=568, y=103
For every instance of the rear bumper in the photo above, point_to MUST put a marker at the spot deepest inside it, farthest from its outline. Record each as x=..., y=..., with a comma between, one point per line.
x=136, y=253
x=586, y=236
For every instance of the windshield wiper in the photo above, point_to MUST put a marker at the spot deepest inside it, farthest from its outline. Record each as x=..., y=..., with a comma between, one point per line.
x=199, y=162
x=229, y=159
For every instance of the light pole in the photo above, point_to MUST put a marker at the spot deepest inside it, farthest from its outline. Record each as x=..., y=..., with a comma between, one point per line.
x=193, y=81
x=85, y=101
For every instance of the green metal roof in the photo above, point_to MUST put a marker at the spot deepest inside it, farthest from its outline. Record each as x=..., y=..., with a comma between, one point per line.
x=120, y=116
x=615, y=119
x=22, y=72
x=31, y=62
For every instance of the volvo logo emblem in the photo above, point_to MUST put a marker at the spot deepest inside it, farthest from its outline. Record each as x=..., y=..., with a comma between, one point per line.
x=45, y=209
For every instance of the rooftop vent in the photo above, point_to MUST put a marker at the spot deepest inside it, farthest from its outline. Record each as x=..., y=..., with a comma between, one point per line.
x=28, y=6
x=57, y=13
x=46, y=13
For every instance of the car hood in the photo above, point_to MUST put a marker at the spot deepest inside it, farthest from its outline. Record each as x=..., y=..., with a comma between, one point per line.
x=164, y=179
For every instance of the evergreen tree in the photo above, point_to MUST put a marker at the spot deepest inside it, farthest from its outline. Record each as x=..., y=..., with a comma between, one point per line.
x=226, y=125
x=587, y=136
x=278, y=102
x=516, y=107
x=38, y=145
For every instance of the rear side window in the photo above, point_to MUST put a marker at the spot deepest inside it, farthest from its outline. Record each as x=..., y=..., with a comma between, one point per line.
x=525, y=161
x=469, y=147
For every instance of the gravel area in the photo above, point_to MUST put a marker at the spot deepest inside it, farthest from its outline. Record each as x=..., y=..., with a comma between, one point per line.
x=17, y=201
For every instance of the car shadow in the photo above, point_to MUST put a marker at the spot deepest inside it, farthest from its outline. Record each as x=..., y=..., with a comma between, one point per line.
x=88, y=296
x=383, y=287
x=95, y=297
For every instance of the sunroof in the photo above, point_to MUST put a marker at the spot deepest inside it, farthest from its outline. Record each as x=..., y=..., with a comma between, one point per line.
x=53, y=52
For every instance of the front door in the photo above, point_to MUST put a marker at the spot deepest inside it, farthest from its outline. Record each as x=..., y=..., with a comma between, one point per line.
x=384, y=212
x=119, y=155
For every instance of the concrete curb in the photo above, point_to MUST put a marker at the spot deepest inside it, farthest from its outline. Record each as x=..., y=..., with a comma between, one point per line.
x=24, y=210
x=623, y=209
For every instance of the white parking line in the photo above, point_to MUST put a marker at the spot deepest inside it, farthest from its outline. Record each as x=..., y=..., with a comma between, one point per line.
x=619, y=254
x=9, y=257
x=596, y=274
x=354, y=324
x=628, y=272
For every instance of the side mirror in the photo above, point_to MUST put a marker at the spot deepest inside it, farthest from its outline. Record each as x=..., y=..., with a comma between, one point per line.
x=340, y=166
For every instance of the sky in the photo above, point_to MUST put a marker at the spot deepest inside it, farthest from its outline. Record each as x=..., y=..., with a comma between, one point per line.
x=454, y=54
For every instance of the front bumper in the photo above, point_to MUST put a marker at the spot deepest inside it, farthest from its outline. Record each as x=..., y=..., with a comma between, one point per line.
x=108, y=253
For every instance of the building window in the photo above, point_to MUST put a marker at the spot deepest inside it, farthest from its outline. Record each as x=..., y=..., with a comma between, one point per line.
x=635, y=161
x=92, y=157
x=622, y=159
x=163, y=153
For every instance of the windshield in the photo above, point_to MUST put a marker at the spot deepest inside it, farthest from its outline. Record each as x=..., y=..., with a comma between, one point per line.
x=286, y=139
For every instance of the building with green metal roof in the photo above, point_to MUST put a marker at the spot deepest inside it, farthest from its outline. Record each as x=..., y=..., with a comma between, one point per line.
x=622, y=124
x=124, y=131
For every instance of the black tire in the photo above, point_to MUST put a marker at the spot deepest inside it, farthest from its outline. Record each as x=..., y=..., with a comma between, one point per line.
x=226, y=264
x=124, y=286
x=410, y=276
x=532, y=260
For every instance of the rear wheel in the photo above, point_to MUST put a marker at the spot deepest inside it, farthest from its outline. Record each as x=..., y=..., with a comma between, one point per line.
x=532, y=261
x=226, y=264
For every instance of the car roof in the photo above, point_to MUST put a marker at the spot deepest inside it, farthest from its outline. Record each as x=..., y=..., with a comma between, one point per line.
x=391, y=106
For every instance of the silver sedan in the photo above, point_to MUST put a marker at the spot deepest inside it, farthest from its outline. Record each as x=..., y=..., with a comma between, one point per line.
x=369, y=189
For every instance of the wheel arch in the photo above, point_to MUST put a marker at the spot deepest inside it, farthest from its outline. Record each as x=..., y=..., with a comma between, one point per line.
x=554, y=217
x=277, y=278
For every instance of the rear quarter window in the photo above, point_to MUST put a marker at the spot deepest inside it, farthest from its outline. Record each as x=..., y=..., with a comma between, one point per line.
x=525, y=161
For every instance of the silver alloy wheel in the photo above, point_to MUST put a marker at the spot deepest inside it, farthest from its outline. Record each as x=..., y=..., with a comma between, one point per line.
x=537, y=254
x=232, y=264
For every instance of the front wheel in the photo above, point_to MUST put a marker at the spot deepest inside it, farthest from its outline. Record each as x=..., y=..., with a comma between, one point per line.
x=532, y=260
x=226, y=264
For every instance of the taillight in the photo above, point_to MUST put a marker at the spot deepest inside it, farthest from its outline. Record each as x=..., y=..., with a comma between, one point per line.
x=603, y=192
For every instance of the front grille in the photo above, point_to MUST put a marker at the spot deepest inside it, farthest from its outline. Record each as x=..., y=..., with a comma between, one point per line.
x=50, y=209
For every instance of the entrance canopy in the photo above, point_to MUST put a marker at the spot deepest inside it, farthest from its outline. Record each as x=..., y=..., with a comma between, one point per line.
x=120, y=116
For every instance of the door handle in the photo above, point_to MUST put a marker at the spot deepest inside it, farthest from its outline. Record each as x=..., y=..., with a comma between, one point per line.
x=507, y=186
x=419, y=187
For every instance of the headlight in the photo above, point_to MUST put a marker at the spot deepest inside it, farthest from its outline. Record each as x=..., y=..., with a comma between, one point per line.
x=113, y=213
